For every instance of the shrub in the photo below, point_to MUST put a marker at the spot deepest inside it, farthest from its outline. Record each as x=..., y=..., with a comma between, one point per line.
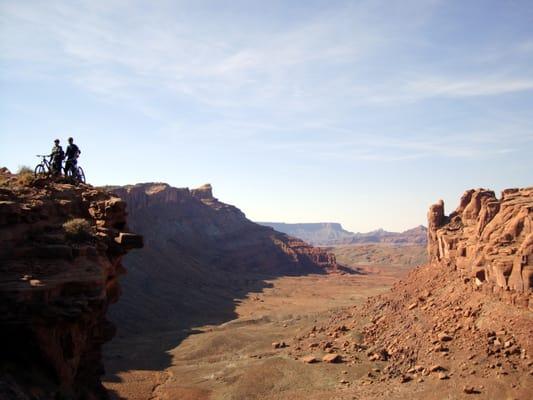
x=24, y=169
x=24, y=175
x=78, y=229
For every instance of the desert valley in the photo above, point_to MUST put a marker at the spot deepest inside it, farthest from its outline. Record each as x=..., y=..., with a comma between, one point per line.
x=214, y=306
x=266, y=200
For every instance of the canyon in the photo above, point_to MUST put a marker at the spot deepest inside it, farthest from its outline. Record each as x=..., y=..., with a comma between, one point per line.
x=211, y=305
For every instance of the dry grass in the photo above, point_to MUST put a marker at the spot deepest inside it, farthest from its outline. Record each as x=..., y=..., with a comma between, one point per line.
x=78, y=229
x=24, y=175
x=24, y=169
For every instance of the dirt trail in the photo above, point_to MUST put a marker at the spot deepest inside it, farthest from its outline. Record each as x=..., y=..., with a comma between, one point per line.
x=236, y=360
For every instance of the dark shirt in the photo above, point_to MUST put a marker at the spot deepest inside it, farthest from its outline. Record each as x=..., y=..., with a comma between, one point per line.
x=72, y=151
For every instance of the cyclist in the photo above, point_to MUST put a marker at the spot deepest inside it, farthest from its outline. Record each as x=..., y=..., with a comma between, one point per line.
x=73, y=152
x=56, y=157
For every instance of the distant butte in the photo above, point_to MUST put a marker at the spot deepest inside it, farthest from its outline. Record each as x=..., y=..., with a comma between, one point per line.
x=332, y=234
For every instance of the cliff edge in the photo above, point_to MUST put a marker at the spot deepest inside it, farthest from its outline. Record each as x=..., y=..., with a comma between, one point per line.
x=61, y=248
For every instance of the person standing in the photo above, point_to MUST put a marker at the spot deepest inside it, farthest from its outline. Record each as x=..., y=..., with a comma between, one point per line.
x=56, y=158
x=73, y=152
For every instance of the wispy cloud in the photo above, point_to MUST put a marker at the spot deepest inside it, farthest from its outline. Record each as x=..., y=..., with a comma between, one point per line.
x=305, y=75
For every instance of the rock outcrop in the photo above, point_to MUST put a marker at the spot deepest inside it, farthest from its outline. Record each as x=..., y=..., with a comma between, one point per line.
x=60, y=259
x=458, y=326
x=489, y=238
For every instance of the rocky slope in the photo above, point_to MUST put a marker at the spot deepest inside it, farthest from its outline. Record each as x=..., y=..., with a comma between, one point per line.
x=200, y=256
x=333, y=234
x=56, y=282
x=456, y=327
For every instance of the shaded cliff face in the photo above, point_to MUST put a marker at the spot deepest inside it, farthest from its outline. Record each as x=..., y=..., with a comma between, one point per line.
x=489, y=238
x=200, y=254
x=56, y=282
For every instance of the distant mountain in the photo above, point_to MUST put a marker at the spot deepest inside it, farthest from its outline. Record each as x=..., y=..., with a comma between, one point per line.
x=321, y=233
x=416, y=235
x=332, y=233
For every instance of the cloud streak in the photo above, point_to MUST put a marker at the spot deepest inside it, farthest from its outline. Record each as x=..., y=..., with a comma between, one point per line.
x=305, y=75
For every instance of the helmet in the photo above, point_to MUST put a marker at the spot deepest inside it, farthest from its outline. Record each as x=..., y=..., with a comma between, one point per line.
x=56, y=141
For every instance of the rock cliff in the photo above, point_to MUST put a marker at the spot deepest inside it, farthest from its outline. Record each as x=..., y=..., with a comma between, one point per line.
x=60, y=259
x=200, y=255
x=489, y=238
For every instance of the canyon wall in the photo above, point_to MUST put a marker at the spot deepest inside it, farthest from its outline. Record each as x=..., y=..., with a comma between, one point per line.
x=60, y=259
x=200, y=256
x=489, y=238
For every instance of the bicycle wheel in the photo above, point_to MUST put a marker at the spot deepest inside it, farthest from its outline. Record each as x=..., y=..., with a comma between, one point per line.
x=81, y=175
x=39, y=170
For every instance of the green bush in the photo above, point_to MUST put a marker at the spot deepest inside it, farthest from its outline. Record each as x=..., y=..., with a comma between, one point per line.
x=78, y=229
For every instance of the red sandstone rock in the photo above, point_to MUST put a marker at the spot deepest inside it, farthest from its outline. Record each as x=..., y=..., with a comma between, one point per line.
x=458, y=329
x=309, y=359
x=54, y=291
x=490, y=238
x=332, y=358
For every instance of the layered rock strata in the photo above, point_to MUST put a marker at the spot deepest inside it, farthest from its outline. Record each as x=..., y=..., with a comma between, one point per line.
x=60, y=259
x=201, y=255
x=490, y=238
x=195, y=216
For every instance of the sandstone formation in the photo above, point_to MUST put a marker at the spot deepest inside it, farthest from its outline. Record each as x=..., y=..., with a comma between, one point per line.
x=460, y=325
x=490, y=238
x=60, y=259
x=200, y=254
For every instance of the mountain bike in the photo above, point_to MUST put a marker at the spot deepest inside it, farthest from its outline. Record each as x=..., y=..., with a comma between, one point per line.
x=44, y=167
x=75, y=173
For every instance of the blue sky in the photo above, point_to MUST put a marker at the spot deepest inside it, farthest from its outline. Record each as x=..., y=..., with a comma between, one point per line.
x=359, y=112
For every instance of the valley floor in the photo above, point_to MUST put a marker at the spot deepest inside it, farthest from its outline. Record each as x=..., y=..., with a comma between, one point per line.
x=236, y=360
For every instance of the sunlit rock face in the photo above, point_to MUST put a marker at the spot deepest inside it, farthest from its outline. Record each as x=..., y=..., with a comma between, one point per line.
x=490, y=238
